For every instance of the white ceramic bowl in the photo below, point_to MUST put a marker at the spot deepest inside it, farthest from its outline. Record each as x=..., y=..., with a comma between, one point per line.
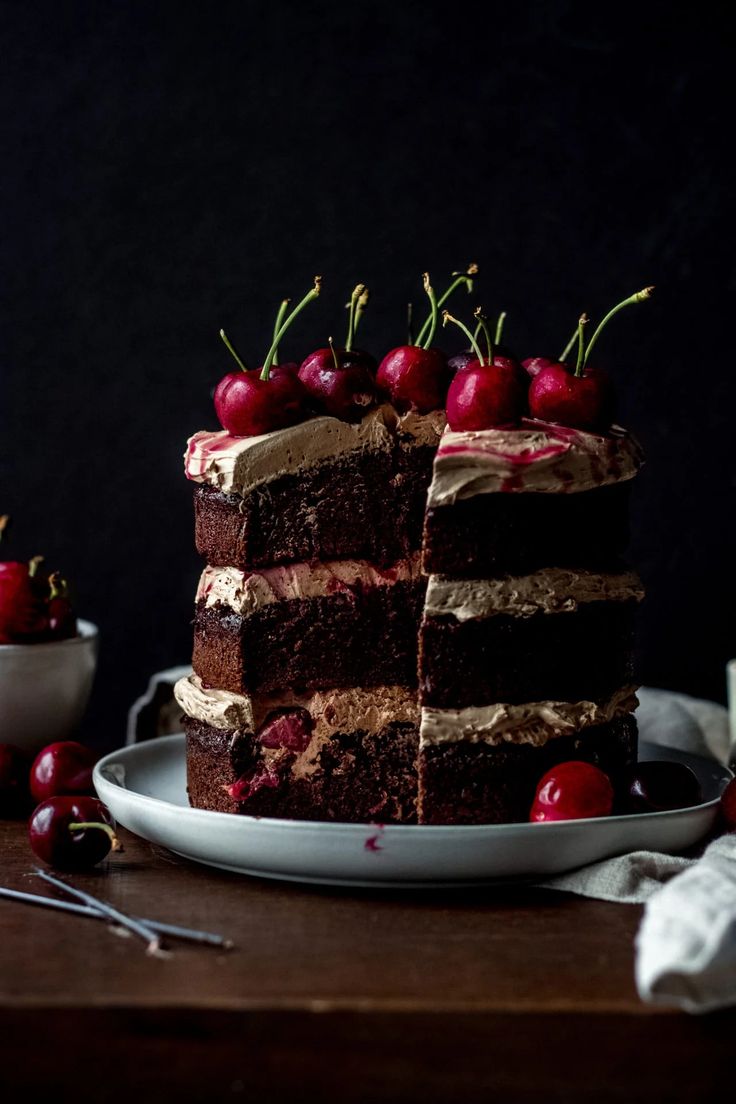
x=44, y=688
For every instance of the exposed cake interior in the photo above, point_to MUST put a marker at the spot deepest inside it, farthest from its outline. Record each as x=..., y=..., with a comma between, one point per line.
x=338, y=624
x=338, y=754
x=318, y=491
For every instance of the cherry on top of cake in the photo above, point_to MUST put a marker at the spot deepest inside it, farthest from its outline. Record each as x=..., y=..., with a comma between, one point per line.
x=415, y=376
x=342, y=382
x=493, y=391
x=34, y=603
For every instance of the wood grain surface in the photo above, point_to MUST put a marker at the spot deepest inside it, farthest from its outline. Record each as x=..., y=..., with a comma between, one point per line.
x=335, y=995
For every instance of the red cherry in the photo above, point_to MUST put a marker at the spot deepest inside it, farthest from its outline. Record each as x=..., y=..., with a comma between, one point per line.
x=248, y=406
x=461, y=360
x=534, y=365
x=728, y=806
x=571, y=791
x=658, y=785
x=290, y=728
x=483, y=395
x=341, y=382
x=556, y=394
x=62, y=768
x=71, y=833
x=22, y=604
x=414, y=378
x=15, y=797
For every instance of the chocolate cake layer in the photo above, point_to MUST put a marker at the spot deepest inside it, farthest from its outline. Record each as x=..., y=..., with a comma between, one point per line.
x=355, y=506
x=360, y=637
x=321, y=490
x=358, y=776
x=480, y=783
x=580, y=655
x=500, y=533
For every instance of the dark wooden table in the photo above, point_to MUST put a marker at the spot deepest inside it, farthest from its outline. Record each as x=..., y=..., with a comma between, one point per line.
x=493, y=995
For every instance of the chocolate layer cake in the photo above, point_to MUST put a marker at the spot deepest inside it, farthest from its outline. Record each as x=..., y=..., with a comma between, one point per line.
x=343, y=623
x=514, y=500
x=318, y=491
x=556, y=633
x=527, y=634
x=326, y=755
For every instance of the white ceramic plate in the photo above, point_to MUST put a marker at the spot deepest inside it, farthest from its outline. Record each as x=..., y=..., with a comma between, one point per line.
x=145, y=788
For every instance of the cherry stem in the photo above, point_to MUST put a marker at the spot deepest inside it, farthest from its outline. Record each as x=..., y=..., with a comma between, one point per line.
x=226, y=339
x=58, y=585
x=499, y=328
x=580, y=366
x=569, y=347
x=433, y=317
x=4, y=522
x=459, y=278
x=277, y=325
x=360, y=307
x=637, y=297
x=483, y=323
x=33, y=565
x=357, y=292
x=312, y=294
x=447, y=317
x=84, y=825
x=410, y=323
x=334, y=354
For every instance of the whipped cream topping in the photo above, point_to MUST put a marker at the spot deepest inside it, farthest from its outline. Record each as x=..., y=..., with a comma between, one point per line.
x=246, y=592
x=551, y=590
x=369, y=708
x=235, y=465
x=531, y=723
x=538, y=457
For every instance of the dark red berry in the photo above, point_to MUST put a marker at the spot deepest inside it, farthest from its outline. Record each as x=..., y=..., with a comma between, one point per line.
x=290, y=729
x=248, y=406
x=556, y=394
x=482, y=396
x=264, y=776
x=728, y=806
x=341, y=383
x=534, y=365
x=572, y=791
x=71, y=833
x=62, y=768
x=414, y=378
x=658, y=785
x=22, y=604
x=461, y=360
x=15, y=796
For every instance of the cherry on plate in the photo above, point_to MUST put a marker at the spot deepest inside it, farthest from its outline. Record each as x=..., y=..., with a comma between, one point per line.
x=658, y=785
x=572, y=791
x=71, y=833
x=64, y=767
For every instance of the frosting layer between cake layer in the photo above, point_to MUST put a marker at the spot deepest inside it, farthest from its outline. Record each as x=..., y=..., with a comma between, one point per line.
x=246, y=592
x=530, y=723
x=235, y=465
x=550, y=590
x=538, y=457
x=369, y=709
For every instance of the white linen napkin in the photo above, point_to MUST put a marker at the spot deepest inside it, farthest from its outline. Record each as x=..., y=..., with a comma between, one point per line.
x=686, y=944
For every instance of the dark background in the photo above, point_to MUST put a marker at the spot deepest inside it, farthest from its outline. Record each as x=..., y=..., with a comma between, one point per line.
x=171, y=168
